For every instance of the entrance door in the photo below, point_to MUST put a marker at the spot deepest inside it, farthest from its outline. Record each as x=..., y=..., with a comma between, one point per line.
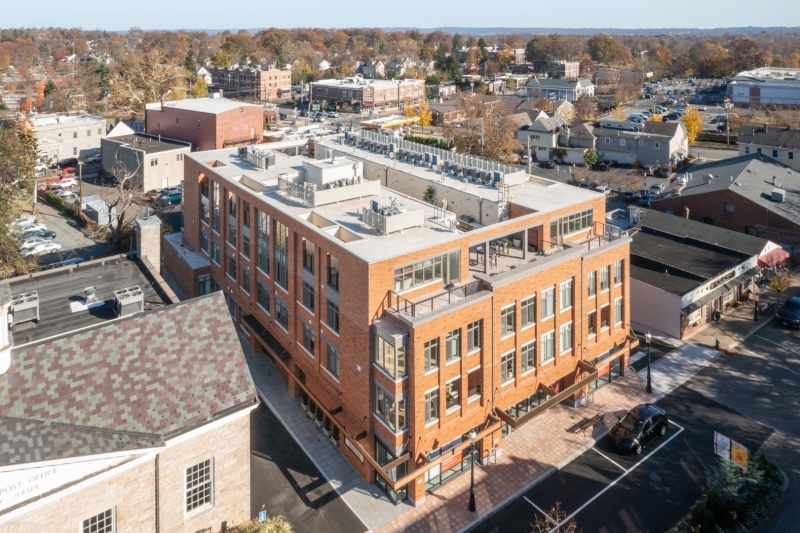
x=164, y=183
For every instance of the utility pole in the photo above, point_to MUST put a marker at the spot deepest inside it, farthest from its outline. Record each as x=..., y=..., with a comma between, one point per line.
x=80, y=187
x=529, y=154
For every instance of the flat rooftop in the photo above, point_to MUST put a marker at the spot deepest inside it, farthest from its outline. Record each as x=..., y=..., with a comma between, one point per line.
x=61, y=296
x=212, y=106
x=58, y=119
x=360, y=83
x=150, y=144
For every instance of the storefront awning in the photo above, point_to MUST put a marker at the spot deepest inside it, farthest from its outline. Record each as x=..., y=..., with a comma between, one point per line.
x=773, y=257
x=719, y=291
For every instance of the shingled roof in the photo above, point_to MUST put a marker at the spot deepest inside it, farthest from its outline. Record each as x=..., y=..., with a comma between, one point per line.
x=126, y=384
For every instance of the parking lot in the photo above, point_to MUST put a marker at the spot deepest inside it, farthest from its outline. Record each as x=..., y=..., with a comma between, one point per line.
x=605, y=491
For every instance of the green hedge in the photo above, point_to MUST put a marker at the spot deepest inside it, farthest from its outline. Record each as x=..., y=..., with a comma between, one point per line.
x=429, y=141
x=71, y=210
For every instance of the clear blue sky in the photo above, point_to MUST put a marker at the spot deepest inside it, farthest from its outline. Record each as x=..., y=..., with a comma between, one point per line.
x=214, y=14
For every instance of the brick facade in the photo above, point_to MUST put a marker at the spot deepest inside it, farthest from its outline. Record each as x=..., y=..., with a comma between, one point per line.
x=207, y=131
x=261, y=84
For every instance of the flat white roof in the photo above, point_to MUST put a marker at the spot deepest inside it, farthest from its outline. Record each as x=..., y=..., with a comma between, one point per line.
x=59, y=119
x=360, y=83
x=213, y=106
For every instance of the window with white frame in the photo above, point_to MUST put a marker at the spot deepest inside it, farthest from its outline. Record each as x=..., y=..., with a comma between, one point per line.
x=566, y=295
x=622, y=142
x=507, y=320
x=199, y=485
x=591, y=323
x=528, y=356
x=453, y=345
x=618, y=272
x=618, y=311
x=657, y=145
x=604, y=278
x=548, y=346
x=566, y=337
x=474, y=336
x=104, y=522
x=389, y=358
x=432, y=354
x=332, y=360
x=528, y=306
x=308, y=338
x=390, y=409
x=591, y=284
x=507, y=367
x=432, y=406
x=548, y=302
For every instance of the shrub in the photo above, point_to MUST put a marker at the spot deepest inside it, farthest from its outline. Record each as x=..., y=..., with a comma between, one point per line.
x=273, y=524
x=428, y=141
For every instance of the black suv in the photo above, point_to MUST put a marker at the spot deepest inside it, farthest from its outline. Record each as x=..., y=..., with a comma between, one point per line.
x=638, y=428
x=69, y=162
x=789, y=312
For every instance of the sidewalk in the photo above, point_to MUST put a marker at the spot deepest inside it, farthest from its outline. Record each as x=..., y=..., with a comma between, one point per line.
x=531, y=453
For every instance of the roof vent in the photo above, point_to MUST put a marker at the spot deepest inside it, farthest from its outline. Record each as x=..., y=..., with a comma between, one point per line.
x=128, y=301
x=25, y=307
x=778, y=195
x=89, y=295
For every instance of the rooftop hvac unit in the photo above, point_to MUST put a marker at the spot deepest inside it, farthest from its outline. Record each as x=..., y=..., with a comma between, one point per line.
x=427, y=157
x=375, y=205
x=25, y=307
x=391, y=147
x=128, y=301
x=434, y=159
x=778, y=195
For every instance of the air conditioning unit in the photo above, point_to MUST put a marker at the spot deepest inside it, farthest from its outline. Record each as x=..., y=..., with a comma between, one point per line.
x=128, y=301
x=25, y=307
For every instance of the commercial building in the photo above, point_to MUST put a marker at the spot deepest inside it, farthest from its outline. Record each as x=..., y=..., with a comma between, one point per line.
x=560, y=89
x=62, y=136
x=207, y=123
x=752, y=194
x=147, y=161
x=262, y=84
x=122, y=410
x=410, y=295
x=367, y=95
x=558, y=69
x=765, y=85
x=781, y=144
x=683, y=272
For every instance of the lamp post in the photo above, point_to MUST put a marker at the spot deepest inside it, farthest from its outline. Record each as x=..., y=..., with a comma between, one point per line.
x=472, y=507
x=648, y=338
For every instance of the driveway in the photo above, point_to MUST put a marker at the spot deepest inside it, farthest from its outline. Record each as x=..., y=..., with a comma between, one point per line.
x=74, y=240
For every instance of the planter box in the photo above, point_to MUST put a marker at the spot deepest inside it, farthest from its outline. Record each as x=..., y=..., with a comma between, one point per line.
x=318, y=422
x=327, y=432
x=310, y=415
x=335, y=442
x=304, y=406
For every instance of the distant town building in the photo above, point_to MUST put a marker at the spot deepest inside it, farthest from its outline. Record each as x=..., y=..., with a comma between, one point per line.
x=368, y=94
x=781, y=144
x=262, y=84
x=560, y=89
x=766, y=85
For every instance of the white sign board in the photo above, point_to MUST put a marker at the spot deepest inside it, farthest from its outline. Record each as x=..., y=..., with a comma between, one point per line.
x=722, y=445
x=353, y=449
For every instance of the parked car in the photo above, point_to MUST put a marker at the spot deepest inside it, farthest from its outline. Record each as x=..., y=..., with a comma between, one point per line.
x=587, y=185
x=671, y=116
x=605, y=189
x=631, y=196
x=282, y=116
x=547, y=164
x=645, y=199
x=789, y=312
x=318, y=118
x=40, y=170
x=638, y=428
x=303, y=113
x=637, y=120
x=63, y=184
x=22, y=221
x=31, y=242
x=41, y=249
x=68, y=162
x=66, y=194
x=600, y=166
x=43, y=233
x=646, y=113
x=650, y=170
x=332, y=114
x=33, y=226
x=702, y=108
x=95, y=159
x=656, y=188
x=173, y=196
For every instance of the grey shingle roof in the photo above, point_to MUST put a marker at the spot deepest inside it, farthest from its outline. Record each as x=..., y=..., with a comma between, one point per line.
x=158, y=373
x=661, y=128
x=788, y=138
x=751, y=178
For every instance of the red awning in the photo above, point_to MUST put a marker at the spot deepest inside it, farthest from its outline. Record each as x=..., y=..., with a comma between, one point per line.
x=773, y=257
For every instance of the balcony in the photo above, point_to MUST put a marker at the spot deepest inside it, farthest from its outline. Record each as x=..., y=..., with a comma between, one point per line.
x=431, y=304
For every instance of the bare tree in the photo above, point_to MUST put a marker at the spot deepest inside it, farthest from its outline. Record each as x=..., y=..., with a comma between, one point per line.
x=490, y=131
x=146, y=78
x=124, y=196
x=555, y=521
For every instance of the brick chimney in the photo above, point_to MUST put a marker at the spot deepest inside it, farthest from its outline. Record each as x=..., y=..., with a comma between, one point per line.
x=148, y=240
x=766, y=128
x=5, y=335
x=685, y=212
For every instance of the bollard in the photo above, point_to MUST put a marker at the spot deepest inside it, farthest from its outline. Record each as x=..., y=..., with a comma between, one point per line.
x=717, y=342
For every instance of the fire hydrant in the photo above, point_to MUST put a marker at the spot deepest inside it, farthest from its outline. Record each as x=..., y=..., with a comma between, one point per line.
x=717, y=342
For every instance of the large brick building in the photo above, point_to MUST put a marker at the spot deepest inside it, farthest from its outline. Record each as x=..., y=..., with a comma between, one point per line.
x=750, y=193
x=368, y=94
x=208, y=123
x=262, y=84
x=403, y=324
x=121, y=411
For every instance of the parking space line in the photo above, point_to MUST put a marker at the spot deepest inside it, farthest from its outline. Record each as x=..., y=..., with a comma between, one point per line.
x=768, y=340
x=610, y=459
x=540, y=510
x=582, y=507
x=770, y=361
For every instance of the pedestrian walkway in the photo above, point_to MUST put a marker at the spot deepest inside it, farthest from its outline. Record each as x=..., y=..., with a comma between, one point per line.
x=673, y=370
x=529, y=454
x=367, y=501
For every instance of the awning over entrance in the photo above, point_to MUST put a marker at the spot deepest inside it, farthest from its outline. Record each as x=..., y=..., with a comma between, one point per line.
x=773, y=257
x=719, y=291
x=554, y=399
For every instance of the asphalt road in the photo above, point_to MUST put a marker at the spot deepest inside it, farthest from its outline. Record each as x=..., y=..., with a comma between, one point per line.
x=285, y=482
x=751, y=395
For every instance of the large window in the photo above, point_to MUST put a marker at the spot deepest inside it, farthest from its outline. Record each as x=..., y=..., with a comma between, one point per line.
x=528, y=356
x=548, y=302
x=507, y=326
x=474, y=336
x=392, y=411
x=528, y=306
x=332, y=316
x=618, y=272
x=591, y=323
x=432, y=406
x=566, y=295
x=308, y=296
x=100, y=523
x=204, y=241
x=281, y=312
x=333, y=272
x=570, y=224
x=332, y=359
x=245, y=279
x=204, y=284
x=592, y=283
x=432, y=354
x=281, y=255
x=232, y=266
x=199, y=485
x=417, y=274
x=215, y=206
x=263, y=295
x=309, y=251
x=507, y=367
x=309, y=339
x=215, y=252
x=245, y=249
x=566, y=337
x=453, y=345
x=618, y=311
x=245, y=213
x=548, y=346
x=604, y=278
x=389, y=358
x=262, y=241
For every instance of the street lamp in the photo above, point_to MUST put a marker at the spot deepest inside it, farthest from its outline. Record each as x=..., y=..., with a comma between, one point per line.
x=648, y=338
x=472, y=507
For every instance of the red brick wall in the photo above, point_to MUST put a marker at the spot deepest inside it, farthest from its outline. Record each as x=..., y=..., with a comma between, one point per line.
x=214, y=130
